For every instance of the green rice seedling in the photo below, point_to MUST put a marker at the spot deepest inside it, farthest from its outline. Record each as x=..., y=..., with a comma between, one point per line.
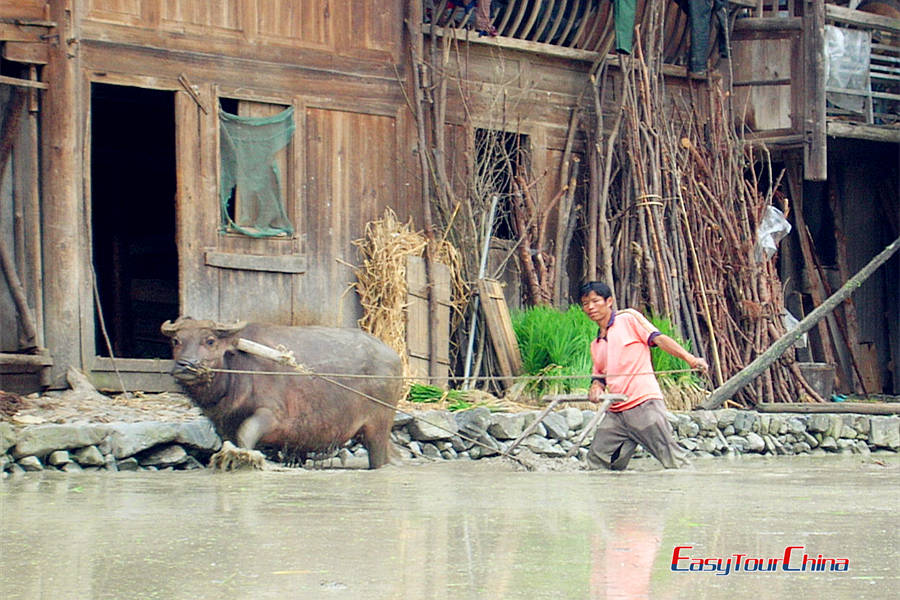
x=554, y=343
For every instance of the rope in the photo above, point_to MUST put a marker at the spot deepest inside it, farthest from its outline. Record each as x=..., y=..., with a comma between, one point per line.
x=309, y=373
x=285, y=357
x=408, y=414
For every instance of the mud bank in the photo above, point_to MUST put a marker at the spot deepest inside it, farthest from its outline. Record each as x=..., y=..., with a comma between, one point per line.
x=439, y=435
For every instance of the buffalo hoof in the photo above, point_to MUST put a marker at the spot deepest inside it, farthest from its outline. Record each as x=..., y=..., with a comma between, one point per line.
x=232, y=458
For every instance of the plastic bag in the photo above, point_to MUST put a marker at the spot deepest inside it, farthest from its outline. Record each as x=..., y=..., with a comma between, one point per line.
x=771, y=231
x=790, y=323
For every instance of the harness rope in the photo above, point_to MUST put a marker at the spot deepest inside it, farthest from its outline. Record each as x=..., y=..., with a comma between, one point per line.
x=283, y=356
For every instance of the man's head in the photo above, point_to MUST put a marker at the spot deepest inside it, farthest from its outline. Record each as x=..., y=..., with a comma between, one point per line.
x=596, y=301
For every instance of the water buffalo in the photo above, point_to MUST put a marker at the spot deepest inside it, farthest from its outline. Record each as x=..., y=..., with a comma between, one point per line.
x=295, y=414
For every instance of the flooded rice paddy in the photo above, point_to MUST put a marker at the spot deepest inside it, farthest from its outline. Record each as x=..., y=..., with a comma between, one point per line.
x=457, y=529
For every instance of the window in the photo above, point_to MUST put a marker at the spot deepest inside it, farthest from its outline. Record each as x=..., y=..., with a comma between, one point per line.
x=254, y=146
x=500, y=156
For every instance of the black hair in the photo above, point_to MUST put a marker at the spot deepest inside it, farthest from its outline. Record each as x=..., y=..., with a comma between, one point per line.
x=594, y=286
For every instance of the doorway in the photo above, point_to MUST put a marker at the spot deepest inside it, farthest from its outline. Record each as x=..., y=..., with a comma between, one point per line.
x=133, y=185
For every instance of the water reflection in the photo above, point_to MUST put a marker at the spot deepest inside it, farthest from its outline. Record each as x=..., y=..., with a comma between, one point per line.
x=459, y=530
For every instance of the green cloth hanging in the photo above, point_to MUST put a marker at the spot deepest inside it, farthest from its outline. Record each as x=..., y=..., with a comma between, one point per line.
x=248, y=146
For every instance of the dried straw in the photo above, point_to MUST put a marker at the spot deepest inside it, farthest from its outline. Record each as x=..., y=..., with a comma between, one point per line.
x=381, y=279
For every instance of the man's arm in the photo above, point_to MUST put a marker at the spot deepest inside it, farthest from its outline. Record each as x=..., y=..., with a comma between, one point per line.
x=670, y=346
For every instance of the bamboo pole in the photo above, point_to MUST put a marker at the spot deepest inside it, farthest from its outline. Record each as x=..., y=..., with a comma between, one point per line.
x=751, y=371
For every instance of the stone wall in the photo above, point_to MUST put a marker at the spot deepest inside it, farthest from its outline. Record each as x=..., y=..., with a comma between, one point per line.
x=440, y=435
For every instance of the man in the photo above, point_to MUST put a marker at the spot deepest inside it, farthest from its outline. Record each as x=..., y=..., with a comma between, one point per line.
x=622, y=349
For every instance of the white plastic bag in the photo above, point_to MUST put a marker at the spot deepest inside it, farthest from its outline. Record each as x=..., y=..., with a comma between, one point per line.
x=771, y=231
x=790, y=323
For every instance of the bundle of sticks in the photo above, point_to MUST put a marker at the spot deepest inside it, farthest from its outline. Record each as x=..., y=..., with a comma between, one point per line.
x=681, y=218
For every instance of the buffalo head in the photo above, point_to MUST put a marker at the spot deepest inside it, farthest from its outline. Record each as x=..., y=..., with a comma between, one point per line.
x=198, y=346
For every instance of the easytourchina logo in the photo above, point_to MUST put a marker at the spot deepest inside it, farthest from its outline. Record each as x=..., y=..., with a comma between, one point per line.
x=795, y=559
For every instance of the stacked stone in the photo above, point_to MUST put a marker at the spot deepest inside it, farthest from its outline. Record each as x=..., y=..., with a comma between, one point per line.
x=441, y=435
x=146, y=445
x=702, y=433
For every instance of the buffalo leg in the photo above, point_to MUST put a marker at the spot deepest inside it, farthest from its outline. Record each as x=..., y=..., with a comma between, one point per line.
x=254, y=428
x=231, y=458
x=377, y=440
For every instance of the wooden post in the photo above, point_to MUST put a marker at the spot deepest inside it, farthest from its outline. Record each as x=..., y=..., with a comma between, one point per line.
x=416, y=42
x=61, y=203
x=33, y=217
x=762, y=362
x=815, y=150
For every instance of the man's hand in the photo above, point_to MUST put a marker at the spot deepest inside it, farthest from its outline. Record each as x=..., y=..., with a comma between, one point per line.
x=595, y=392
x=698, y=363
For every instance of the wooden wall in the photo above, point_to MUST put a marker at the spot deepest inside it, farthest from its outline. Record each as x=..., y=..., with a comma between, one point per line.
x=340, y=65
x=336, y=65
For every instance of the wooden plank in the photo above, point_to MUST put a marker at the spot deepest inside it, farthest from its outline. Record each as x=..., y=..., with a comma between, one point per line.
x=418, y=339
x=27, y=83
x=841, y=14
x=196, y=220
x=12, y=32
x=499, y=326
x=351, y=177
x=26, y=360
x=256, y=262
x=508, y=43
x=862, y=132
x=26, y=52
x=870, y=367
x=768, y=24
x=863, y=408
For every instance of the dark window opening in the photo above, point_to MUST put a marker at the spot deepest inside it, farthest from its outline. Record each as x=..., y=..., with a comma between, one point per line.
x=230, y=105
x=500, y=156
x=133, y=217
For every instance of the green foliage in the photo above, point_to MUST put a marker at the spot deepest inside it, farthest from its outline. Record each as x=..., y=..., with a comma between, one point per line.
x=663, y=361
x=420, y=392
x=552, y=343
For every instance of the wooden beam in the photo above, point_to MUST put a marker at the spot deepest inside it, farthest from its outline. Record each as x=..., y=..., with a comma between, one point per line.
x=27, y=83
x=862, y=408
x=288, y=263
x=13, y=32
x=844, y=129
x=769, y=24
x=26, y=52
x=25, y=360
x=867, y=20
x=764, y=360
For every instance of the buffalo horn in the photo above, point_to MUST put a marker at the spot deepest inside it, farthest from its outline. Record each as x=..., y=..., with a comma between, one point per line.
x=169, y=328
x=226, y=329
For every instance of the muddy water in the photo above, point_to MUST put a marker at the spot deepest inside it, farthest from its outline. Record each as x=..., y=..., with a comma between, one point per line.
x=452, y=530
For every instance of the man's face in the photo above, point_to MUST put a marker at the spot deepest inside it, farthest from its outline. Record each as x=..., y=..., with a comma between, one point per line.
x=597, y=308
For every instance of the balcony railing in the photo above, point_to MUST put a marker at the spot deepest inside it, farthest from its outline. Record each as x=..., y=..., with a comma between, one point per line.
x=578, y=25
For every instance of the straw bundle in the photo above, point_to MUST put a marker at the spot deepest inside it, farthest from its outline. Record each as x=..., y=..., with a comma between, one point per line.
x=381, y=279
